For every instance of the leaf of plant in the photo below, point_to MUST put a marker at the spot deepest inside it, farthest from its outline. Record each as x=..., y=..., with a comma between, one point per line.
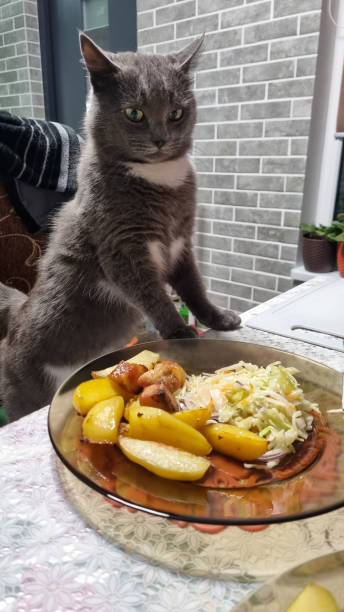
x=340, y=237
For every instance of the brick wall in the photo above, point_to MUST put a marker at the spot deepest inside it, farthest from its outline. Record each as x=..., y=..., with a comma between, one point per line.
x=21, y=90
x=254, y=86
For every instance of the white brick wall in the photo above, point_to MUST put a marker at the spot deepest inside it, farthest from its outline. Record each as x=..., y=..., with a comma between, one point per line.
x=254, y=86
x=21, y=88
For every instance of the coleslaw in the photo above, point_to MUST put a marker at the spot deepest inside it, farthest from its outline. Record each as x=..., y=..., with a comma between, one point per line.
x=268, y=401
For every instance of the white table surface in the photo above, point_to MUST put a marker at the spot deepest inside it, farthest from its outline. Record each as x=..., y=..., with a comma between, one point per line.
x=50, y=560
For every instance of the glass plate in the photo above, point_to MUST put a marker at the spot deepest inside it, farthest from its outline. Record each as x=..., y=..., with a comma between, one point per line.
x=326, y=571
x=232, y=553
x=318, y=489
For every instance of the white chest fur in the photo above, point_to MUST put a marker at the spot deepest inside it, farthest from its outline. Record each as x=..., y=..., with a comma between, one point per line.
x=176, y=249
x=171, y=173
x=164, y=258
x=157, y=255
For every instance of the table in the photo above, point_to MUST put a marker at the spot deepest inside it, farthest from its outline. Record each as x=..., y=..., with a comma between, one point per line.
x=51, y=561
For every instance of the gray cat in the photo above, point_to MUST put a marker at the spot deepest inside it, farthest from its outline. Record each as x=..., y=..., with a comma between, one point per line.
x=125, y=235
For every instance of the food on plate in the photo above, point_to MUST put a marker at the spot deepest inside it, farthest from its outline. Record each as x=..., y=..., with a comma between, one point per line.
x=91, y=392
x=159, y=384
x=108, y=465
x=127, y=375
x=267, y=401
x=159, y=396
x=170, y=373
x=234, y=441
x=314, y=598
x=164, y=460
x=147, y=423
x=253, y=422
x=145, y=358
x=195, y=417
x=102, y=421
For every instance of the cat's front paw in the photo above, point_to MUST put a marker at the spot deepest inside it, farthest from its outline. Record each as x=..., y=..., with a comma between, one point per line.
x=224, y=321
x=183, y=332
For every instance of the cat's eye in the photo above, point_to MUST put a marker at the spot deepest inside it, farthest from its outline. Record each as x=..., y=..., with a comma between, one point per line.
x=176, y=115
x=134, y=114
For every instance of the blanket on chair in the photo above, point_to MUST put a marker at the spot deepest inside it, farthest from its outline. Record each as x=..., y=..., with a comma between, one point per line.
x=38, y=161
x=41, y=153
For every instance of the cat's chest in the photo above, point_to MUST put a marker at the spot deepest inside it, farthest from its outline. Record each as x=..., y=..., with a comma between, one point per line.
x=171, y=174
x=163, y=256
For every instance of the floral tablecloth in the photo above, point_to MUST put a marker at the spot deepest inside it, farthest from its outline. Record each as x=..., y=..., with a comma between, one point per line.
x=51, y=561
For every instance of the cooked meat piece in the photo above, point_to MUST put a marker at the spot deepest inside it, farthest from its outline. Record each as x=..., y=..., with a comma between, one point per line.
x=168, y=372
x=159, y=396
x=127, y=375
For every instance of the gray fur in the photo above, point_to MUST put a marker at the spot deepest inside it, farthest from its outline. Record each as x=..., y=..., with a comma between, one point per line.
x=10, y=301
x=98, y=273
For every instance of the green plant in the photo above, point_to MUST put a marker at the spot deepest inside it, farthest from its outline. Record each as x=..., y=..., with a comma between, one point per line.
x=313, y=231
x=335, y=232
x=319, y=247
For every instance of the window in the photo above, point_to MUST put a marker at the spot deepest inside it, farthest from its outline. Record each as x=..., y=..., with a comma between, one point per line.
x=96, y=21
x=112, y=25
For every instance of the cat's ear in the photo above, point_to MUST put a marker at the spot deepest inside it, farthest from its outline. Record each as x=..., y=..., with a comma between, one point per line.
x=98, y=64
x=187, y=57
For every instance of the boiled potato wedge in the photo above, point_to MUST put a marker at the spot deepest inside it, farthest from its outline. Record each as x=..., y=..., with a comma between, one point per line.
x=91, y=392
x=314, y=598
x=235, y=442
x=119, y=390
x=147, y=423
x=196, y=418
x=102, y=421
x=133, y=402
x=145, y=358
x=103, y=373
x=163, y=460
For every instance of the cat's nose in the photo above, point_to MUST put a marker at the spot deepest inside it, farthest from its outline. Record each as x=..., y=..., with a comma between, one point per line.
x=159, y=143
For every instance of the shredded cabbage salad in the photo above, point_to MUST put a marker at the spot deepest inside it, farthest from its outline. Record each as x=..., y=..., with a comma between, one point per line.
x=268, y=401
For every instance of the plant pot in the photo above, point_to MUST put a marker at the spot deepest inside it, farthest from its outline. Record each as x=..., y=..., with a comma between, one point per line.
x=340, y=258
x=319, y=255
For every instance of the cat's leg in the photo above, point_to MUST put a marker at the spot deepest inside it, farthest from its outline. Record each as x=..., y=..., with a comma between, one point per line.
x=24, y=390
x=144, y=288
x=187, y=282
x=18, y=402
x=10, y=301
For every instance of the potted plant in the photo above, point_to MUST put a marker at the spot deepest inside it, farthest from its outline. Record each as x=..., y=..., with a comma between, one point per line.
x=335, y=234
x=318, y=251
